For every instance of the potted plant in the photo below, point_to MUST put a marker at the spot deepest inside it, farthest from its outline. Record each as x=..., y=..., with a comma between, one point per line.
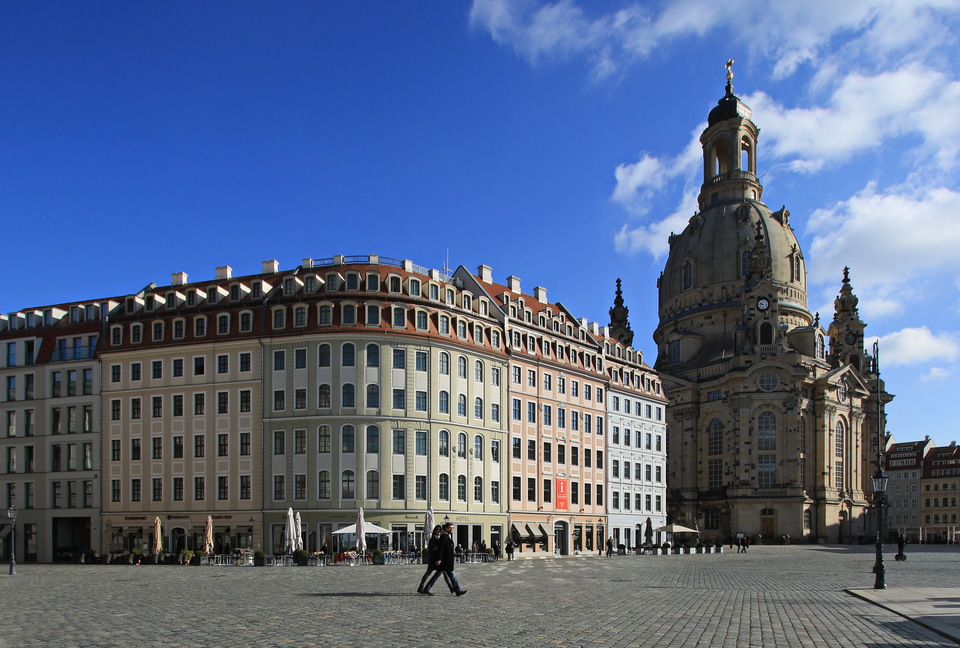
x=197, y=558
x=186, y=556
x=259, y=558
x=665, y=549
x=378, y=557
x=301, y=557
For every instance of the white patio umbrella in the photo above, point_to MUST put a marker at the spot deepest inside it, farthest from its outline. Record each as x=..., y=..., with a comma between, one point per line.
x=208, y=537
x=298, y=536
x=157, y=537
x=428, y=523
x=289, y=535
x=361, y=533
x=675, y=528
x=368, y=527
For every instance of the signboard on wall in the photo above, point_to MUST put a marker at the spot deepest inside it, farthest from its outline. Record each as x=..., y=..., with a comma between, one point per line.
x=563, y=494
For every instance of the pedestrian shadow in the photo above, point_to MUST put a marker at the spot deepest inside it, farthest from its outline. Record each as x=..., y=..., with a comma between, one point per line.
x=359, y=594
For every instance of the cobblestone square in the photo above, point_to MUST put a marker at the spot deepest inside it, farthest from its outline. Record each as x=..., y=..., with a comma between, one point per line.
x=772, y=596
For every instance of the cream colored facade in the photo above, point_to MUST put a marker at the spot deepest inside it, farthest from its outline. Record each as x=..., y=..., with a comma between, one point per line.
x=771, y=433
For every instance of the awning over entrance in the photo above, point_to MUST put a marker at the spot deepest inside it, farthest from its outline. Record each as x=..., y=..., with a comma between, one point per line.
x=543, y=531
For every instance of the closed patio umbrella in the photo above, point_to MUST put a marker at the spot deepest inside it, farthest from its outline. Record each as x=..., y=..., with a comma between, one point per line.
x=648, y=532
x=208, y=537
x=157, y=537
x=298, y=534
x=289, y=541
x=361, y=533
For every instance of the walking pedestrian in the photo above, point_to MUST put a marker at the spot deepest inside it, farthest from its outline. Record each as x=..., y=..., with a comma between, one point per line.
x=432, y=551
x=901, y=543
x=511, y=547
x=609, y=547
x=443, y=562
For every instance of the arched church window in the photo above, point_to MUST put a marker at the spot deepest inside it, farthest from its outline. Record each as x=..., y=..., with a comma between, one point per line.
x=686, y=272
x=767, y=431
x=715, y=437
x=766, y=333
x=746, y=154
x=820, y=350
x=673, y=351
x=839, y=433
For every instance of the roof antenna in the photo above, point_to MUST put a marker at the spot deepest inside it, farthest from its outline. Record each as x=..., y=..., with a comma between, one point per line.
x=446, y=264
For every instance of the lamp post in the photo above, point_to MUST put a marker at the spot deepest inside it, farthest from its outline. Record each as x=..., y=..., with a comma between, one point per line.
x=879, y=480
x=251, y=532
x=12, y=514
x=879, y=487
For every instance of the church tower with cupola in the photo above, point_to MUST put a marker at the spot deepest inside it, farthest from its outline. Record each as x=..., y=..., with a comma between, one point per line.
x=769, y=433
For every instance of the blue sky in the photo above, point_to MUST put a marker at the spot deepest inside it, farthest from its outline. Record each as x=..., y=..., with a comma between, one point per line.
x=554, y=141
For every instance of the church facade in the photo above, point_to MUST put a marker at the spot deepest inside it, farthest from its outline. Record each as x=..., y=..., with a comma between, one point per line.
x=776, y=420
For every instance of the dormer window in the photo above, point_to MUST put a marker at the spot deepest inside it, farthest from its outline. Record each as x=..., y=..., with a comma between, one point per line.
x=256, y=290
x=310, y=284
x=467, y=302
x=393, y=284
x=415, y=287
x=148, y=303
x=191, y=298
x=434, y=292
x=234, y=292
x=353, y=281
x=289, y=286
x=373, y=282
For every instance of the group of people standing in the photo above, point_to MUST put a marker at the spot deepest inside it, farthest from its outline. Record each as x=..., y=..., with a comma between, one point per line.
x=440, y=560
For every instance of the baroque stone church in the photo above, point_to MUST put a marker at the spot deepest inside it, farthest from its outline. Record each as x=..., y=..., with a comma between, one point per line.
x=774, y=419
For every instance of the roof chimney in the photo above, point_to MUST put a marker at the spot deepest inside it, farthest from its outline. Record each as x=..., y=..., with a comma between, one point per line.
x=224, y=272
x=178, y=278
x=541, y=294
x=513, y=283
x=485, y=273
x=270, y=267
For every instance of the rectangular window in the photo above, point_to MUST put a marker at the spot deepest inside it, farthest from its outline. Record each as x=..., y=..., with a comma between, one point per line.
x=279, y=442
x=199, y=489
x=245, y=400
x=223, y=364
x=279, y=487
x=399, y=359
x=178, y=368
x=421, y=443
x=244, y=443
x=199, y=366
x=531, y=450
x=420, y=490
x=299, y=487
x=178, y=489
x=156, y=369
x=399, y=398
x=399, y=487
x=199, y=446
x=199, y=404
x=244, y=362
x=531, y=489
x=157, y=489
x=156, y=451
x=547, y=452
x=223, y=445
x=134, y=490
x=245, y=487
x=178, y=447
x=399, y=441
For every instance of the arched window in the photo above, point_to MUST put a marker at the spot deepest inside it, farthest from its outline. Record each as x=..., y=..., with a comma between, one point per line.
x=373, y=355
x=478, y=448
x=766, y=333
x=715, y=437
x=767, y=431
x=348, y=485
x=323, y=439
x=300, y=316
x=347, y=439
x=444, y=487
x=462, y=488
x=373, y=439
x=478, y=371
x=373, y=485
x=325, y=318
x=461, y=405
x=478, y=489
x=373, y=395
x=744, y=263
x=444, y=364
x=673, y=351
x=461, y=367
x=462, y=445
x=444, y=443
x=839, y=438
x=478, y=408
x=323, y=355
x=323, y=396
x=820, y=351
x=686, y=273
x=444, y=402
x=348, y=396
x=348, y=355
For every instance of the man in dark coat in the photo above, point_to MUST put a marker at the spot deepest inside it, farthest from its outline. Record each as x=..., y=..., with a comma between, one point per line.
x=443, y=562
x=433, y=550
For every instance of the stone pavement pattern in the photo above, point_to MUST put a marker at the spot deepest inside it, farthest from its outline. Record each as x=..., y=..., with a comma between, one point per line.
x=772, y=596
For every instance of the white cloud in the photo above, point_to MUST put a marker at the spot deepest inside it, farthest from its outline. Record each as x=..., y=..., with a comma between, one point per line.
x=917, y=346
x=936, y=373
x=653, y=238
x=863, y=113
x=790, y=34
x=892, y=241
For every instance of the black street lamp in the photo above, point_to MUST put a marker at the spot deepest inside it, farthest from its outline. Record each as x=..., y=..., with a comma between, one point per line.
x=879, y=488
x=12, y=514
x=879, y=480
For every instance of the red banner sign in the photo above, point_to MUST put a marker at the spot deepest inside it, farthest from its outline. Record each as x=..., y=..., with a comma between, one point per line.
x=563, y=494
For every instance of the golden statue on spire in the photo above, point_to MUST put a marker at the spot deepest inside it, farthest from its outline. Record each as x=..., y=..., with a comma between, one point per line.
x=729, y=67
